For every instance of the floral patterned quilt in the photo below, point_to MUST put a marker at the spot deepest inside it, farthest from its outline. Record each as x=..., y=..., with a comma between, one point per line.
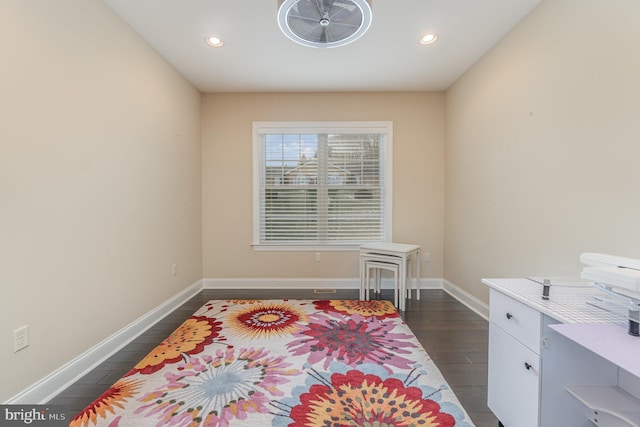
x=283, y=363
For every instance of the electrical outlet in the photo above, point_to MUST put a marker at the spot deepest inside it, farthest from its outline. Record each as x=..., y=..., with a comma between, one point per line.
x=318, y=256
x=174, y=270
x=20, y=338
x=427, y=257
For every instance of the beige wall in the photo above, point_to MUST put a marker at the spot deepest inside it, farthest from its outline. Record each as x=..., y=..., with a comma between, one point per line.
x=104, y=182
x=99, y=182
x=543, y=145
x=418, y=138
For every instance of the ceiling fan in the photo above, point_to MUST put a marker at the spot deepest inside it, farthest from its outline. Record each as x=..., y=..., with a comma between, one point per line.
x=324, y=23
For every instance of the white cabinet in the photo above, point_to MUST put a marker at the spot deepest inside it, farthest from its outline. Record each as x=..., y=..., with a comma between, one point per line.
x=514, y=361
x=532, y=365
x=513, y=389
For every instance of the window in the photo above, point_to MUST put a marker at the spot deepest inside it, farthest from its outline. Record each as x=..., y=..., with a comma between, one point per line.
x=321, y=184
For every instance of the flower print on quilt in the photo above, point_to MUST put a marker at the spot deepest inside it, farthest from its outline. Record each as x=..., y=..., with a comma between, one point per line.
x=216, y=390
x=265, y=319
x=368, y=396
x=381, y=309
x=354, y=341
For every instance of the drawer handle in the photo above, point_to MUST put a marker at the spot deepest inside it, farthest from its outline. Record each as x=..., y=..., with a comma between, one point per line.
x=527, y=365
x=509, y=315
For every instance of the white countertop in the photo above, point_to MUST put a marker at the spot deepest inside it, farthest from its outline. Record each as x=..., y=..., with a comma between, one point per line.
x=568, y=298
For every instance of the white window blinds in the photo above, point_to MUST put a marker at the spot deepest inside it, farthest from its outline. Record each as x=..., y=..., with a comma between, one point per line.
x=319, y=184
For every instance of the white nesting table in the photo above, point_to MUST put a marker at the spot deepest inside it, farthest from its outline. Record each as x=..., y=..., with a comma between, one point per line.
x=406, y=253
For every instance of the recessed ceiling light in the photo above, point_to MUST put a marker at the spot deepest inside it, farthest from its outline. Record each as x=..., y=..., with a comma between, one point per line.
x=214, y=41
x=429, y=38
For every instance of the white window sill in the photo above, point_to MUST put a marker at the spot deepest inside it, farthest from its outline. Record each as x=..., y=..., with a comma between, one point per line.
x=304, y=248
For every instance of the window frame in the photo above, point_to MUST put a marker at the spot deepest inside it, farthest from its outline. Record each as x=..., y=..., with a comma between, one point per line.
x=302, y=127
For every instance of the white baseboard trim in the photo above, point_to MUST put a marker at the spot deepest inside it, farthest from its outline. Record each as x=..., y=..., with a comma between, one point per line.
x=305, y=283
x=288, y=283
x=467, y=299
x=57, y=381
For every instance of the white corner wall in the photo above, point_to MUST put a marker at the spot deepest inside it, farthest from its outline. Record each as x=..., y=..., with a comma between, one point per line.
x=99, y=182
x=542, y=146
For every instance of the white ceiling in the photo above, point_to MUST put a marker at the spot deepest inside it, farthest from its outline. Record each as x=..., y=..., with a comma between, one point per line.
x=257, y=57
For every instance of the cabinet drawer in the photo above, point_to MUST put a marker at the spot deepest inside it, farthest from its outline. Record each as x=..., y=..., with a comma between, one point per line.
x=518, y=320
x=514, y=380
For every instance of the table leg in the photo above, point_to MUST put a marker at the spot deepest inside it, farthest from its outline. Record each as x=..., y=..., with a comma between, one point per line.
x=403, y=283
x=362, y=280
x=418, y=273
x=397, y=292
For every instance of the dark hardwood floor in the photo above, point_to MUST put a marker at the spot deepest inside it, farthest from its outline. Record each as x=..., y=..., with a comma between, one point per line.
x=455, y=337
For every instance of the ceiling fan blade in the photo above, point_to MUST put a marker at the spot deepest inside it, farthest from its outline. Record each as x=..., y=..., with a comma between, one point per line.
x=324, y=35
